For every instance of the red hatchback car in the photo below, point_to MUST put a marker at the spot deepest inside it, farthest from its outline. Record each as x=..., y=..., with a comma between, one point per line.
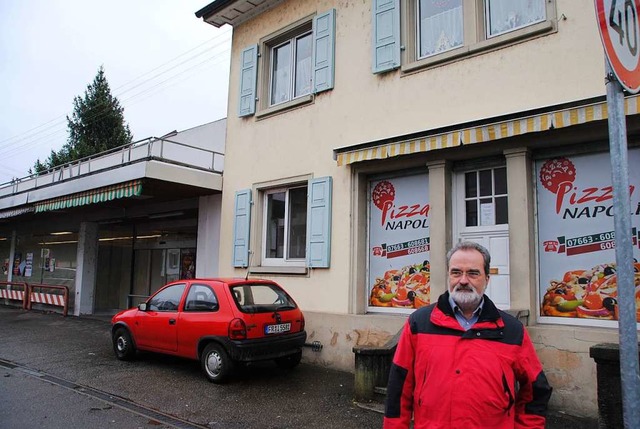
x=220, y=322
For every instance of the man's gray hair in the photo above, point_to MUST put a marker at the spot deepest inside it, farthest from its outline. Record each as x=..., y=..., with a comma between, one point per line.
x=471, y=245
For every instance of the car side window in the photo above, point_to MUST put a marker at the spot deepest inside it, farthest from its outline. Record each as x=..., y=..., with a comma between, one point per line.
x=201, y=298
x=167, y=299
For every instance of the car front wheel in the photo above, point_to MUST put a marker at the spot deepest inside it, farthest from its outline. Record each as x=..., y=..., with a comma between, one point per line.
x=216, y=363
x=123, y=345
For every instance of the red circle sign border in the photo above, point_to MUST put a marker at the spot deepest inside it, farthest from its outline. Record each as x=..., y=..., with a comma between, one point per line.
x=630, y=79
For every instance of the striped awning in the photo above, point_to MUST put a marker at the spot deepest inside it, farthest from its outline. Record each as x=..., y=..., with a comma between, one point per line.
x=487, y=132
x=99, y=195
x=4, y=214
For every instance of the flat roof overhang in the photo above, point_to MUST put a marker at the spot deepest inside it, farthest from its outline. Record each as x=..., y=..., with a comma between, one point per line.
x=233, y=12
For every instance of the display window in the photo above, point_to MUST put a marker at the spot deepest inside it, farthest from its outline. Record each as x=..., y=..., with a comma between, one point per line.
x=399, y=243
x=576, y=238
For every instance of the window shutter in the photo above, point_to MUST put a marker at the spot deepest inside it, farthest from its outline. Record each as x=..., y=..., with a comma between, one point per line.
x=386, y=35
x=242, y=219
x=319, y=223
x=248, y=81
x=324, y=50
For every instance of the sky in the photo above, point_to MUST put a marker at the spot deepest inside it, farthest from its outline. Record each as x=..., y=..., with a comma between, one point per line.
x=168, y=69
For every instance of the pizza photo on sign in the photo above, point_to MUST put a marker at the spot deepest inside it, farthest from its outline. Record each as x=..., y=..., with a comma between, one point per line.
x=589, y=294
x=407, y=287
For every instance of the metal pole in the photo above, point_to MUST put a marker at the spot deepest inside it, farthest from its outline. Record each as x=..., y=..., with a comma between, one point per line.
x=629, y=374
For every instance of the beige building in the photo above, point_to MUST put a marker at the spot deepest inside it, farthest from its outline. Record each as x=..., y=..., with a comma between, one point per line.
x=365, y=137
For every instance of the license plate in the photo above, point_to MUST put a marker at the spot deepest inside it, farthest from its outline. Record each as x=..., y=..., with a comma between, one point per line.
x=276, y=329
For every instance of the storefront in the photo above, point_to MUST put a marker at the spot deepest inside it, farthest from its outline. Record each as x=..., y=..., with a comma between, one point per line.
x=536, y=191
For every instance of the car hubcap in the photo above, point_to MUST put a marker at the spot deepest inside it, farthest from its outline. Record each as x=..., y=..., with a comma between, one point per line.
x=121, y=343
x=214, y=363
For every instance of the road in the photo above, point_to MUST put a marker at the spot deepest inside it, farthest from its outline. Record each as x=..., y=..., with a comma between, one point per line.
x=60, y=372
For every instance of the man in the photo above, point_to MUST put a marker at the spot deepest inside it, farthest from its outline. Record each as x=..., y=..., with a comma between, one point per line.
x=462, y=363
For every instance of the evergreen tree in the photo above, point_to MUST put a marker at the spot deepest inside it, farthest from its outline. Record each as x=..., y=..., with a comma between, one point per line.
x=97, y=124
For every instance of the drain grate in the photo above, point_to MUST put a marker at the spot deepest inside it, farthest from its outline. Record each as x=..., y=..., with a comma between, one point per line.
x=105, y=397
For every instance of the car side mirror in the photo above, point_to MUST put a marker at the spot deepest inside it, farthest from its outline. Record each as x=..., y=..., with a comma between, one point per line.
x=142, y=307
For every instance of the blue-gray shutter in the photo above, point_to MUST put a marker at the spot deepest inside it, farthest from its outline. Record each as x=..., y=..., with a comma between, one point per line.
x=241, y=225
x=386, y=35
x=324, y=31
x=248, y=81
x=319, y=223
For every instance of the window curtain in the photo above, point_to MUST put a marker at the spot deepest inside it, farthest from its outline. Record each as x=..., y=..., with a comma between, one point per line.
x=441, y=26
x=508, y=15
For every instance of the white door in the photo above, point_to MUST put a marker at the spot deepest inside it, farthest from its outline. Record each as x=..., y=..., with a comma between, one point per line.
x=480, y=215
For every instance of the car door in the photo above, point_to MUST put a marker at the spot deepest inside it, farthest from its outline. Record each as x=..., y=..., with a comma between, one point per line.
x=157, y=325
x=203, y=315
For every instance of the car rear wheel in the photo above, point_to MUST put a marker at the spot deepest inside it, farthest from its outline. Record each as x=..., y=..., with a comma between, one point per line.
x=216, y=363
x=291, y=361
x=123, y=344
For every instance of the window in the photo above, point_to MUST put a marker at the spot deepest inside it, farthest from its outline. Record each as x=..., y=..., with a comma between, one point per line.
x=502, y=16
x=424, y=32
x=201, y=298
x=439, y=26
x=294, y=226
x=288, y=66
x=259, y=298
x=485, y=193
x=291, y=69
x=285, y=225
x=167, y=299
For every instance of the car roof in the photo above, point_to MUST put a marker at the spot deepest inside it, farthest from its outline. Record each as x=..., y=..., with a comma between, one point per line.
x=232, y=281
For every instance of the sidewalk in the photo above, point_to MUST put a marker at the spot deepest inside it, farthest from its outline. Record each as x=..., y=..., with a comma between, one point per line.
x=79, y=349
x=555, y=419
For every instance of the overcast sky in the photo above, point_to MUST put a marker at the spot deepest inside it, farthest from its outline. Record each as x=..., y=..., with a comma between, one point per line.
x=168, y=69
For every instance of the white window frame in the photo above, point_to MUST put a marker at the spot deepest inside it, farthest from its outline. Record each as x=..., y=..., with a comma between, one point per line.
x=293, y=68
x=284, y=261
x=266, y=46
x=475, y=33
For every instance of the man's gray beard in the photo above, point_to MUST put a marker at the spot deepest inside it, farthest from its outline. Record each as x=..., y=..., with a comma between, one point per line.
x=467, y=301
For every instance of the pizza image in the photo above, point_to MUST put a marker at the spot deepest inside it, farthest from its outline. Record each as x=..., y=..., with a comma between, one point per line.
x=589, y=294
x=407, y=287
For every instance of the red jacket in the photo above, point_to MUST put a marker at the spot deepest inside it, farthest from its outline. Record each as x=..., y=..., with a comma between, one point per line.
x=486, y=377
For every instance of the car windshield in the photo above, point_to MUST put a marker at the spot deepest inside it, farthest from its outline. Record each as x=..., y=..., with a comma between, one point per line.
x=261, y=298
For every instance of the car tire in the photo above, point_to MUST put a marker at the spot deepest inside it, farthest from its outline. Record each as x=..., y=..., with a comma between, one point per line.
x=289, y=362
x=216, y=363
x=123, y=345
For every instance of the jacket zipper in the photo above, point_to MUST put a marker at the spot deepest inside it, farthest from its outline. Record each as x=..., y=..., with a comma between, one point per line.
x=507, y=391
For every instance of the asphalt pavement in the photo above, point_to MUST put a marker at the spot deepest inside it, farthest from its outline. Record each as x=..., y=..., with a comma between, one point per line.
x=64, y=367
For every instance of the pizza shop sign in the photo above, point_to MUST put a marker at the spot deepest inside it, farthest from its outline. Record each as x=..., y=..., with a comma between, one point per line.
x=577, y=269
x=404, y=216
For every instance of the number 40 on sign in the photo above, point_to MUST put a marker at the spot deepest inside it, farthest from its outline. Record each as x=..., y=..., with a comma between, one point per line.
x=620, y=32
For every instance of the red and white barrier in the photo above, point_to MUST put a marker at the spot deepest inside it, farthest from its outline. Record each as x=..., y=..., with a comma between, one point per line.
x=55, y=295
x=14, y=292
x=16, y=295
x=43, y=294
x=47, y=298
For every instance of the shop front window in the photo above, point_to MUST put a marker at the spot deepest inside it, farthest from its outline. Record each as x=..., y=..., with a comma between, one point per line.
x=399, y=244
x=577, y=266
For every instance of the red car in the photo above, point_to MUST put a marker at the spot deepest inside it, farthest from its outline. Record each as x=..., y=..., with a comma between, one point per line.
x=220, y=322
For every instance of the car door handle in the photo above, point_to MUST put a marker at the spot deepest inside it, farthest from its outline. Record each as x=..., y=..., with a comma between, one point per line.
x=172, y=321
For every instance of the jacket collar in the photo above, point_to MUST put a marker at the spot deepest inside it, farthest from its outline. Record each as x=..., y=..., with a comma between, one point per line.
x=489, y=316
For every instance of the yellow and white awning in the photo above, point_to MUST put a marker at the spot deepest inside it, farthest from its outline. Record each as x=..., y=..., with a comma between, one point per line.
x=488, y=132
x=100, y=195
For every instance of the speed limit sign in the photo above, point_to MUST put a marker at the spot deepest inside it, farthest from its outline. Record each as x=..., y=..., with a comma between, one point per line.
x=620, y=32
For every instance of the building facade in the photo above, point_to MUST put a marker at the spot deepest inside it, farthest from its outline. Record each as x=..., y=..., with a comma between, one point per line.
x=115, y=227
x=366, y=137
